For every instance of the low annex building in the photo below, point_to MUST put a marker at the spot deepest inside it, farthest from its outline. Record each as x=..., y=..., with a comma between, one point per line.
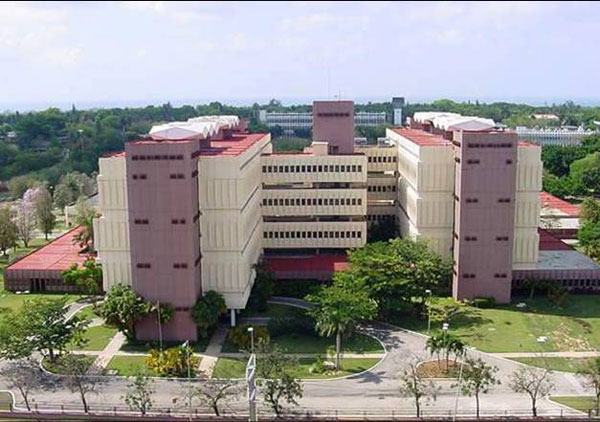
x=41, y=270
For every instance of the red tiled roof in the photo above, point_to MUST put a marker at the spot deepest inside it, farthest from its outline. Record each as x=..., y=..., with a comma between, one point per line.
x=316, y=263
x=422, y=138
x=56, y=255
x=523, y=143
x=238, y=144
x=551, y=243
x=551, y=201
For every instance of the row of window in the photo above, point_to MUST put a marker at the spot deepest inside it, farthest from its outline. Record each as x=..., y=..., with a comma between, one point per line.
x=382, y=159
x=475, y=161
x=156, y=157
x=474, y=238
x=173, y=221
x=312, y=235
x=471, y=275
x=478, y=145
x=331, y=168
x=139, y=176
x=333, y=114
x=381, y=188
x=176, y=265
x=377, y=217
x=311, y=201
x=176, y=176
x=476, y=200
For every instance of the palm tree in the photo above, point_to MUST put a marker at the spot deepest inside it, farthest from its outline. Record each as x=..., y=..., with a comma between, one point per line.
x=84, y=217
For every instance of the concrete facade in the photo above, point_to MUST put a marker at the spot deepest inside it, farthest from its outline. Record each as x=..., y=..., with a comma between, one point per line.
x=333, y=122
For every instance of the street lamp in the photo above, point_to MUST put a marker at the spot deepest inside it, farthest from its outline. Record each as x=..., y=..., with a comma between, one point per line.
x=445, y=327
x=428, y=292
x=251, y=331
x=186, y=345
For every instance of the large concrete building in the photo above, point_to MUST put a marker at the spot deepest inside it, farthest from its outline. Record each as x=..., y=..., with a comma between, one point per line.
x=193, y=206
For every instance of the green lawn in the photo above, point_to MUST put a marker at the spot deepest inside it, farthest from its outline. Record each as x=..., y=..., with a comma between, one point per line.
x=235, y=368
x=15, y=302
x=275, y=311
x=98, y=338
x=5, y=401
x=55, y=367
x=88, y=312
x=510, y=329
x=302, y=343
x=582, y=403
x=129, y=365
x=145, y=347
x=554, y=363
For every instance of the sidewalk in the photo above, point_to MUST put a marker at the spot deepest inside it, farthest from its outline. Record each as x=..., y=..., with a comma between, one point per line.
x=213, y=351
x=105, y=356
x=314, y=355
x=574, y=355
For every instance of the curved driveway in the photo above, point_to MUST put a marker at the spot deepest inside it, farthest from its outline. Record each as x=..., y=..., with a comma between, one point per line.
x=374, y=391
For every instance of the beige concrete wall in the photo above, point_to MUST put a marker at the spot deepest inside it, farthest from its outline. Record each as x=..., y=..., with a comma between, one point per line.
x=231, y=222
x=111, y=229
x=527, y=207
x=425, y=192
x=379, y=158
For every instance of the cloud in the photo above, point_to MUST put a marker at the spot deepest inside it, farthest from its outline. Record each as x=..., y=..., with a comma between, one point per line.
x=180, y=12
x=36, y=33
x=322, y=20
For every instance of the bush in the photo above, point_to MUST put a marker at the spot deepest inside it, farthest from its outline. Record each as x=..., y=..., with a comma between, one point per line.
x=296, y=288
x=484, y=302
x=207, y=310
x=173, y=362
x=262, y=289
x=240, y=337
x=292, y=325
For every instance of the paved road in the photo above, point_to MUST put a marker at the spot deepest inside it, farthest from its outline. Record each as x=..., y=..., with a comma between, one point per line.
x=374, y=390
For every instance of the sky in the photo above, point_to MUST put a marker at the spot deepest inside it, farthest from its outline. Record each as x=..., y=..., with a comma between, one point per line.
x=132, y=53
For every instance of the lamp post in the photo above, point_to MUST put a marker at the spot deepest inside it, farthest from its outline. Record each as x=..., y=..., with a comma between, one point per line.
x=428, y=292
x=251, y=331
x=186, y=345
x=445, y=327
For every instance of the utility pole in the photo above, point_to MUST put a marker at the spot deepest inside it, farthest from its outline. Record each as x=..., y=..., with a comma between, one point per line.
x=250, y=379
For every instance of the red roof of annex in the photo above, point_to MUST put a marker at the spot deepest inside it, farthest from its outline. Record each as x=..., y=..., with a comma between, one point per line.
x=424, y=139
x=551, y=201
x=59, y=254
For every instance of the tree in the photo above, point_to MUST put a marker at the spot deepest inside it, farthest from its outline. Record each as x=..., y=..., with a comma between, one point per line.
x=263, y=287
x=591, y=373
x=122, y=308
x=76, y=369
x=139, y=395
x=396, y=272
x=18, y=185
x=213, y=392
x=26, y=216
x=589, y=231
x=207, y=310
x=338, y=310
x=274, y=370
x=43, y=323
x=445, y=344
x=412, y=385
x=84, y=217
x=446, y=309
x=14, y=341
x=477, y=378
x=534, y=382
x=46, y=220
x=585, y=173
x=62, y=196
x=87, y=278
x=8, y=230
x=23, y=375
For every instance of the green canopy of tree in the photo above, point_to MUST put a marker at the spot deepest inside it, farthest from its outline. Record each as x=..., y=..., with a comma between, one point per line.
x=122, y=308
x=396, y=273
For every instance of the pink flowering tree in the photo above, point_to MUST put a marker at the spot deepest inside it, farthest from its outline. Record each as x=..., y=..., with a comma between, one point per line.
x=26, y=217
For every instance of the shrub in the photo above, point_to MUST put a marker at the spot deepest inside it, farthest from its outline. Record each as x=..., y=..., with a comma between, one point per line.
x=296, y=288
x=207, y=310
x=292, y=324
x=484, y=302
x=262, y=289
x=173, y=362
x=240, y=337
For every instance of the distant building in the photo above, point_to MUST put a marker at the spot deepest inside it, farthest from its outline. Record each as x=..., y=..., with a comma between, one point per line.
x=552, y=117
x=398, y=105
x=293, y=121
x=564, y=136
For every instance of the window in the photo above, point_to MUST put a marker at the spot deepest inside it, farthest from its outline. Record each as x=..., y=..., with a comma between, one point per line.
x=470, y=238
x=135, y=177
x=503, y=200
x=354, y=168
x=264, y=169
x=360, y=169
x=142, y=176
x=472, y=161
x=508, y=161
x=143, y=265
